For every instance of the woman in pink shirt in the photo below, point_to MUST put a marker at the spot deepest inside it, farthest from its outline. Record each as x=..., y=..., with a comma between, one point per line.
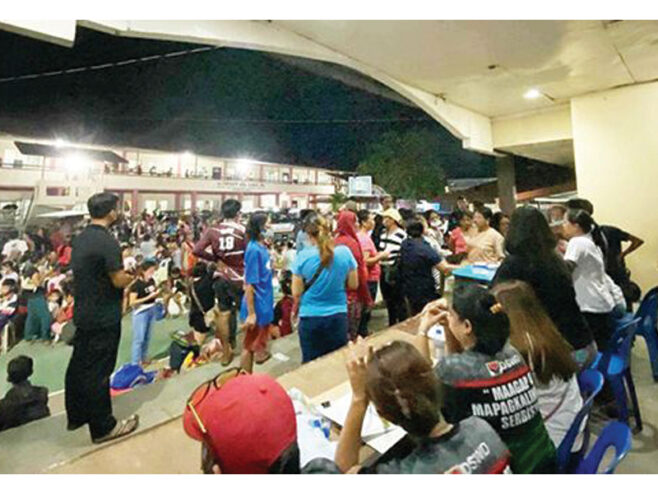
x=457, y=241
x=371, y=258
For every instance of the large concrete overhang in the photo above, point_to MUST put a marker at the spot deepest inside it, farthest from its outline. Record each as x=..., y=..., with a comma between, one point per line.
x=468, y=75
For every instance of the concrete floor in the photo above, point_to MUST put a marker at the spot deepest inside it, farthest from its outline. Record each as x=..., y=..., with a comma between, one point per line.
x=176, y=453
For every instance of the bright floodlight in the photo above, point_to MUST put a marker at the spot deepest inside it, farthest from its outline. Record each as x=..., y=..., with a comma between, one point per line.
x=243, y=167
x=76, y=164
x=188, y=155
x=532, y=94
x=61, y=143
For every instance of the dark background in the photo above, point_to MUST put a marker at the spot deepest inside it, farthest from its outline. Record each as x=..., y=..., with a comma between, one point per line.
x=223, y=102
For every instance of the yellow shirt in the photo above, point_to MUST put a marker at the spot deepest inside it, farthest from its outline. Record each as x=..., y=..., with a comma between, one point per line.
x=485, y=247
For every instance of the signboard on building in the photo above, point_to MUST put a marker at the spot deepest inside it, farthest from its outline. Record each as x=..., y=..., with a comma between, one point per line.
x=360, y=186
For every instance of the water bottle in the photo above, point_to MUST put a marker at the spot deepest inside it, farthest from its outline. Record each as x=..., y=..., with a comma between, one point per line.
x=323, y=424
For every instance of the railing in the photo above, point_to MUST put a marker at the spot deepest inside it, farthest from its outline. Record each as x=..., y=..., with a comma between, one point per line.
x=158, y=174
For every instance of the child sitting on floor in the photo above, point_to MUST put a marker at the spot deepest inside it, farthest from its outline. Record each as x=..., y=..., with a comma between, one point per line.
x=283, y=309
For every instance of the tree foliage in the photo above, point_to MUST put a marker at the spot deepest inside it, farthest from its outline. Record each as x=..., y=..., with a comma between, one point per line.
x=407, y=164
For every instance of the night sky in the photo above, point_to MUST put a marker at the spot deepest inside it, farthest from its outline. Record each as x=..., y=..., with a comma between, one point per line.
x=224, y=102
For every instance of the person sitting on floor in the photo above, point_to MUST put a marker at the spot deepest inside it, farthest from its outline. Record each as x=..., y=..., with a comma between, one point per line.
x=247, y=425
x=283, y=308
x=404, y=390
x=23, y=403
x=8, y=301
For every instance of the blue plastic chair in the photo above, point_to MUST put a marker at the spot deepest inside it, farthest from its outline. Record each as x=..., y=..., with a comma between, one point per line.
x=590, y=382
x=616, y=435
x=648, y=313
x=615, y=365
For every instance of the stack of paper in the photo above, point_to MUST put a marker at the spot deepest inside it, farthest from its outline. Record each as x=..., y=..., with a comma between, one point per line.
x=376, y=432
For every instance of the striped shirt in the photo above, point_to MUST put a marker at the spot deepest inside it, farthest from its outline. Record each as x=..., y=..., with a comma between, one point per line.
x=391, y=242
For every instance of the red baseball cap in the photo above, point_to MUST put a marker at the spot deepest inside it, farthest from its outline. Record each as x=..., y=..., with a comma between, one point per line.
x=250, y=422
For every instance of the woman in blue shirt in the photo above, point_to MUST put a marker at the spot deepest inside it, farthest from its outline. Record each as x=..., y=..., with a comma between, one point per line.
x=320, y=275
x=257, y=309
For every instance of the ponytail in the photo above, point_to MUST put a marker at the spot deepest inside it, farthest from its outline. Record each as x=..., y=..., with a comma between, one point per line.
x=317, y=227
x=587, y=224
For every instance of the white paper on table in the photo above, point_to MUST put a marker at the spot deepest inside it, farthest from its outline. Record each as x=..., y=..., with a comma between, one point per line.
x=337, y=412
x=312, y=442
x=383, y=442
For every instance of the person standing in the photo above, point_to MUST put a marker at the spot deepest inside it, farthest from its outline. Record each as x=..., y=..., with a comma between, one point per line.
x=486, y=245
x=417, y=261
x=532, y=258
x=357, y=300
x=99, y=281
x=585, y=258
x=257, y=310
x=390, y=242
x=371, y=257
x=321, y=275
x=227, y=242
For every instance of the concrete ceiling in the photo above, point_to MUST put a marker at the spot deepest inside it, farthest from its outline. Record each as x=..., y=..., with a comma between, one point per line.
x=555, y=152
x=487, y=66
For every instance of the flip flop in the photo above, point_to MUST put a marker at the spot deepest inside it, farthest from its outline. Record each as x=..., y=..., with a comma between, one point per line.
x=227, y=358
x=263, y=359
x=122, y=428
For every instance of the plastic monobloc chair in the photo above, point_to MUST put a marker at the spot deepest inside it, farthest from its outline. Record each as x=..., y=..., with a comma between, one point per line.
x=648, y=329
x=615, y=365
x=590, y=382
x=616, y=435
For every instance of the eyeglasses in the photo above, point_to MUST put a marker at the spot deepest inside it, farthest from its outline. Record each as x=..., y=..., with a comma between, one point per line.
x=208, y=458
x=201, y=392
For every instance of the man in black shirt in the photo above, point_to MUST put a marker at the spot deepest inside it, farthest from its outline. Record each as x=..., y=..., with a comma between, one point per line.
x=99, y=281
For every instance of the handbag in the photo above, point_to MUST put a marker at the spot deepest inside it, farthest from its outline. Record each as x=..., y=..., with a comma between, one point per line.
x=294, y=319
x=209, y=315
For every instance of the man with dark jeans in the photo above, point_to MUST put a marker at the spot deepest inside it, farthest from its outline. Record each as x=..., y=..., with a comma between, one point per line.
x=99, y=281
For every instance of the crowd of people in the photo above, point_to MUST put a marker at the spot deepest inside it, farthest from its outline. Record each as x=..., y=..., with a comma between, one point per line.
x=501, y=398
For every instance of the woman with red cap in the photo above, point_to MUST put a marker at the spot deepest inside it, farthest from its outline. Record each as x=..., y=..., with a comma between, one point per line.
x=359, y=299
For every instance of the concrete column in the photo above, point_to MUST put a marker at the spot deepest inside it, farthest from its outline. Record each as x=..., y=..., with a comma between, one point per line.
x=178, y=201
x=194, y=199
x=134, y=203
x=506, y=183
x=290, y=171
x=261, y=173
x=316, y=177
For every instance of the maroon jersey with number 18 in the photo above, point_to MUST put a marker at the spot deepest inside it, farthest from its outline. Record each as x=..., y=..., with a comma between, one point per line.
x=227, y=244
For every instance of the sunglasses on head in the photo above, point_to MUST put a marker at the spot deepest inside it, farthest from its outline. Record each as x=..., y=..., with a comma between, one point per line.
x=194, y=401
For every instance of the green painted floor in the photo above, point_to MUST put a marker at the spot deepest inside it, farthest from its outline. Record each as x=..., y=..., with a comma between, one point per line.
x=50, y=361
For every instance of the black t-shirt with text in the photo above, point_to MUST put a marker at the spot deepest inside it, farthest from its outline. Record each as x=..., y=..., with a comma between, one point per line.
x=96, y=254
x=144, y=289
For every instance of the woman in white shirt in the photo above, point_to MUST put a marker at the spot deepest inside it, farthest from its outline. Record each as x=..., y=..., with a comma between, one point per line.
x=548, y=354
x=584, y=256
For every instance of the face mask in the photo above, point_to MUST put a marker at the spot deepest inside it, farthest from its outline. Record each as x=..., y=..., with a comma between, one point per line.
x=436, y=223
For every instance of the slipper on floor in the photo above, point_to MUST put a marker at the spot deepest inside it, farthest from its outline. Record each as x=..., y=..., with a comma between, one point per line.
x=122, y=428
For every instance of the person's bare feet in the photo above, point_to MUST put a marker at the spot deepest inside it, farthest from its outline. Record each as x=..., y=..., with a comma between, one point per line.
x=227, y=358
x=123, y=428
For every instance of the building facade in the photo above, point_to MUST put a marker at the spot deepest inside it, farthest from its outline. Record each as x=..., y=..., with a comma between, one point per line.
x=61, y=175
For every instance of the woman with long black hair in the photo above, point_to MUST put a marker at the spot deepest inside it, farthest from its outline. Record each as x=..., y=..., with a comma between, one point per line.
x=584, y=256
x=532, y=258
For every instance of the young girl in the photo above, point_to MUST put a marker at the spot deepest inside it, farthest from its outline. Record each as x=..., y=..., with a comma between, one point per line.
x=486, y=376
x=404, y=390
x=549, y=355
x=8, y=303
x=283, y=308
x=142, y=299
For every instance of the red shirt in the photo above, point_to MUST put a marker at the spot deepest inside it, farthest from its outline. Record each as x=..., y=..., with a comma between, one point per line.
x=458, y=240
x=227, y=242
x=282, y=314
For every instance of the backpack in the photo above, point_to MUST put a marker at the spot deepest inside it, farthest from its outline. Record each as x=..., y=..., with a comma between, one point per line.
x=182, y=344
